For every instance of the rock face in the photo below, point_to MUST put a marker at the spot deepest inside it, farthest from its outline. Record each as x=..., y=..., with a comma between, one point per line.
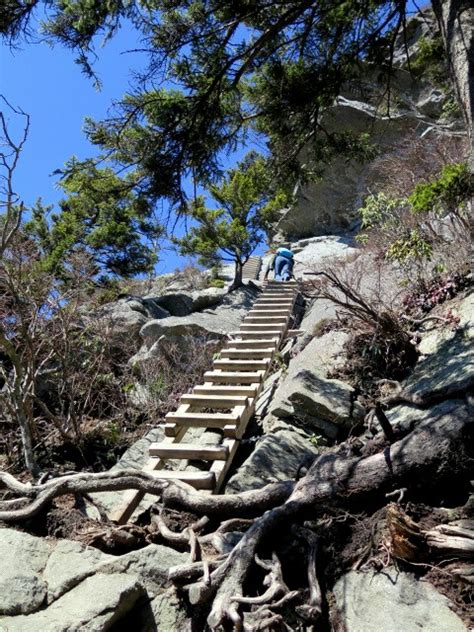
x=308, y=398
x=276, y=457
x=209, y=324
x=63, y=586
x=330, y=205
x=392, y=601
x=447, y=365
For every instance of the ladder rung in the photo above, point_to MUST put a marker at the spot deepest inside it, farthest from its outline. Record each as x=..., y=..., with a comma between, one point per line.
x=215, y=389
x=199, y=480
x=214, y=401
x=273, y=320
x=268, y=328
x=287, y=307
x=241, y=365
x=189, y=451
x=234, y=377
x=228, y=430
x=247, y=353
x=268, y=309
x=201, y=420
x=249, y=334
x=258, y=342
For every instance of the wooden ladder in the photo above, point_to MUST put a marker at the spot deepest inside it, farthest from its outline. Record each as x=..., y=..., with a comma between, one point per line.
x=225, y=401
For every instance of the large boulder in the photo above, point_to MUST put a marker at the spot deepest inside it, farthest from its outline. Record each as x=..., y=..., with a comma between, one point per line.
x=177, y=304
x=95, y=605
x=65, y=585
x=123, y=319
x=203, y=326
x=392, y=601
x=309, y=398
x=22, y=586
x=446, y=367
x=277, y=457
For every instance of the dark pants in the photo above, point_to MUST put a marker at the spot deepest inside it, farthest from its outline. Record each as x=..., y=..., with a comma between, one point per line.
x=283, y=268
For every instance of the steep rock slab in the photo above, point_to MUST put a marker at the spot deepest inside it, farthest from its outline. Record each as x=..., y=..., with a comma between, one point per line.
x=95, y=605
x=392, y=601
x=150, y=565
x=23, y=559
x=447, y=367
x=212, y=324
x=276, y=457
x=308, y=397
x=177, y=304
x=70, y=563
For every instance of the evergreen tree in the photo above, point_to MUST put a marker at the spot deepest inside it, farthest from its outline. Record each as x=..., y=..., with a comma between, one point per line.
x=237, y=226
x=102, y=216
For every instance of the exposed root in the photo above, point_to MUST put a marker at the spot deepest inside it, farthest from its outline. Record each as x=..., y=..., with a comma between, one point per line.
x=313, y=610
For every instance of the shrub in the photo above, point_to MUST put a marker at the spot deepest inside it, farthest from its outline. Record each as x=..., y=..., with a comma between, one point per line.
x=447, y=193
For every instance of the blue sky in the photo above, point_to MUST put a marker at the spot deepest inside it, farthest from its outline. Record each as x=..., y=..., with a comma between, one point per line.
x=46, y=83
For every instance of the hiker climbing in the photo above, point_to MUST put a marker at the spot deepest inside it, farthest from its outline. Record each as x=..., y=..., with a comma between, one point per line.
x=282, y=264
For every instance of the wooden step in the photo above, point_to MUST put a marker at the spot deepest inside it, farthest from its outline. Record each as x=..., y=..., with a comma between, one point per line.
x=199, y=480
x=252, y=354
x=228, y=430
x=241, y=365
x=287, y=307
x=273, y=282
x=274, y=328
x=258, y=342
x=202, y=420
x=267, y=309
x=234, y=377
x=214, y=401
x=258, y=334
x=215, y=389
x=274, y=300
x=265, y=319
x=189, y=451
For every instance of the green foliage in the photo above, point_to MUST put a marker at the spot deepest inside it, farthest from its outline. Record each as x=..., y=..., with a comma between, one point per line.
x=448, y=192
x=378, y=209
x=220, y=283
x=102, y=216
x=411, y=246
x=430, y=61
x=234, y=229
x=238, y=69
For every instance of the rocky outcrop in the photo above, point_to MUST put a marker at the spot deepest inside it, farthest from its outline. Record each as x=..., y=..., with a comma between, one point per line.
x=330, y=205
x=276, y=457
x=446, y=366
x=308, y=398
x=392, y=601
x=58, y=586
x=207, y=325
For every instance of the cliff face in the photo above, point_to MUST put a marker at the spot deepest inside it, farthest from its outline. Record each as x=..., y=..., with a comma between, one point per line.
x=416, y=103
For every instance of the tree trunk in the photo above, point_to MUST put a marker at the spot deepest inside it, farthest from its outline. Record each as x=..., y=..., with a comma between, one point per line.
x=237, y=282
x=456, y=21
